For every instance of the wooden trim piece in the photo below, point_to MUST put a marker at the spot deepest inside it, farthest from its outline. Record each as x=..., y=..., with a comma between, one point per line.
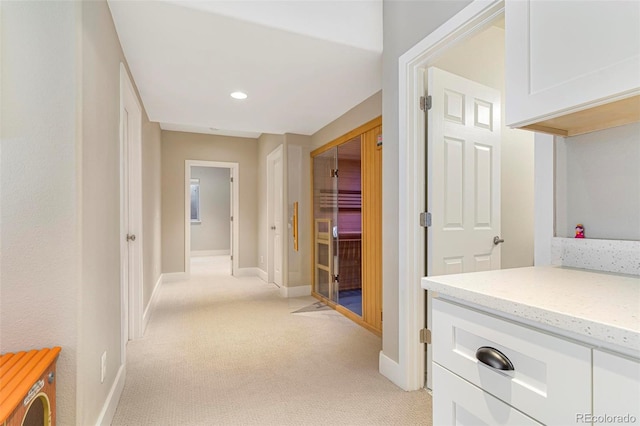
x=372, y=229
x=348, y=136
x=614, y=114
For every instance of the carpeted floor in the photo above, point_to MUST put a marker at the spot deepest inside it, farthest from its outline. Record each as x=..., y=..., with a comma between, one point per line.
x=221, y=350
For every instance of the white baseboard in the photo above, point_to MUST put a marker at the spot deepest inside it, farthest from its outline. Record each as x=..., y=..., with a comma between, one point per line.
x=247, y=272
x=263, y=275
x=297, y=291
x=201, y=253
x=174, y=276
x=391, y=370
x=109, y=409
x=151, y=305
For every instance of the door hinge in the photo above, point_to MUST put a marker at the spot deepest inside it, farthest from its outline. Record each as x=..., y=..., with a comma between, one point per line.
x=336, y=278
x=380, y=316
x=231, y=179
x=334, y=173
x=231, y=218
x=425, y=103
x=425, y=336
x=425, y=219
x=231, y=257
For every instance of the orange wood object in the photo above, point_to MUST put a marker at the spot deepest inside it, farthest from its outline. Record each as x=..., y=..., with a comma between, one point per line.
x=27, y=378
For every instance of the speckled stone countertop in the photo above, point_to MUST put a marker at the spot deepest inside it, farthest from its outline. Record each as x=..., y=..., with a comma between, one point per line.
x=602, y=306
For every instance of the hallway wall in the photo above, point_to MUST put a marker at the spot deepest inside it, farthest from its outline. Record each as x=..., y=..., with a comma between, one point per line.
x=177, y=147
x=60, y=281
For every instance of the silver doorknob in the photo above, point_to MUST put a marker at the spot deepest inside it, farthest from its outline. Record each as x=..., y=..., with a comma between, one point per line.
x=497, y=240
x=131, y=237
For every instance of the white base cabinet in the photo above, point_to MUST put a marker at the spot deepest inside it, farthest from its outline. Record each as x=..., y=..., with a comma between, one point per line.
x=531, y=376
x=616, y=388
x=461, y=403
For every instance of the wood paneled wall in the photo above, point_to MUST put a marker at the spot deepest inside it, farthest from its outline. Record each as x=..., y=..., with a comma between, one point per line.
x=372, y=229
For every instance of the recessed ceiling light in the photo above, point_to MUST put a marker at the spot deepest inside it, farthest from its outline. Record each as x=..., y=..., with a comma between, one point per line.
x=239, y=95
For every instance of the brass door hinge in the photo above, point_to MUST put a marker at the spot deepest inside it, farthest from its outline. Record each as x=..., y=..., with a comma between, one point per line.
x=425, y=336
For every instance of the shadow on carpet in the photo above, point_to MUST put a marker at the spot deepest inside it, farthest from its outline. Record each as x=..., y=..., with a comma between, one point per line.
x=314, y=307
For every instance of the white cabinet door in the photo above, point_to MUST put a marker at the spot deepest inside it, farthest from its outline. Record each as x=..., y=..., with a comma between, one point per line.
x=458, y=402
x=616, y=388
x=565, y=56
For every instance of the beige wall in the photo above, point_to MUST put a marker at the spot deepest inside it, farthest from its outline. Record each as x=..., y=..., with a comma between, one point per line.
x=298, y=178
x=365, y=111
x=60, y=282
x=151, y=207
x=177, y=147
x=405, y=23
x=481, y=59
x=213, y=232
x=100, y=307
x=39, y=285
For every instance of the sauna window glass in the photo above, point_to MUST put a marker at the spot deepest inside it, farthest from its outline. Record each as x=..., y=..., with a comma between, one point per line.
x=195, y=200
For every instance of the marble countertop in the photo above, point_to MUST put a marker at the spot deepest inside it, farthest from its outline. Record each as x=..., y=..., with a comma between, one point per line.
x=599, y=305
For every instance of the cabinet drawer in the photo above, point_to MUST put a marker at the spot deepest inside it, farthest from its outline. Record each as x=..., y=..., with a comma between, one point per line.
x=458, y=402
x=551, y=379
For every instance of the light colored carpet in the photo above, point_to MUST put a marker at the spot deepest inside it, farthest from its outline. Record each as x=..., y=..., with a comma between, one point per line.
x=221, y=350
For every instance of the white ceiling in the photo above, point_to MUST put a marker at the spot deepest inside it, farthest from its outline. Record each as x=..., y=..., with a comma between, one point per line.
x=302, y=63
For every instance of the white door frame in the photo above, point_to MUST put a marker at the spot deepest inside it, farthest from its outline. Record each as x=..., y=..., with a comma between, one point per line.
x=277, y=152
x=408, y=372
x=235, y=206
x=130, y=289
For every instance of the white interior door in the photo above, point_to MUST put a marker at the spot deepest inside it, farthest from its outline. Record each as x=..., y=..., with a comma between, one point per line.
x=131, y=211
x=231, y=216
x=463, y=179
x=463, y=175
x=276, y=201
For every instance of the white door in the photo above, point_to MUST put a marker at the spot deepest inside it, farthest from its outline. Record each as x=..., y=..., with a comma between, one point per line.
x=231, y=216
x=463, y=175
x=463, y=179
x=131, y=210
x=276, y=202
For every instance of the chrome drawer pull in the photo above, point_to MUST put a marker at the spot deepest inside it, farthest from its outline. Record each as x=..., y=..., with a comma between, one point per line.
x=493, y=358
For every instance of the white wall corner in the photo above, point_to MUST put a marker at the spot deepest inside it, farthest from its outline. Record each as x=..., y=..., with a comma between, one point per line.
x=174, y=276
x=544, y=203
x=111, y=403
x=392, y=371
x=263, y=275
x=297, y=291
x=151, y=305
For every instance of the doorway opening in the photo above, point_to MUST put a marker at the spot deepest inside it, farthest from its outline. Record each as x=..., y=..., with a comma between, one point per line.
x=211, y=216
x=347, y=225
x=275, y=217
x=131, y=270
x=410, y=371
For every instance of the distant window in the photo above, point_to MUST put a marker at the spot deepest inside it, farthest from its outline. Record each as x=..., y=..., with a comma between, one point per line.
x=195, y=200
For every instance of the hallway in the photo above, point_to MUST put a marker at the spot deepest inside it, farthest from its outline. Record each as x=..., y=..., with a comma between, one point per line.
x=221, y=350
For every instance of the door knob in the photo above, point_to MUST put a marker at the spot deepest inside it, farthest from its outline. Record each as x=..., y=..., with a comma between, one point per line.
x=497, y=240
x=273, y=228
x=131, y=237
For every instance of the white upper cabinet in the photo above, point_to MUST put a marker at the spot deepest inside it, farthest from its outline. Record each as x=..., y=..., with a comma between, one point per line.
x=563, y=57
